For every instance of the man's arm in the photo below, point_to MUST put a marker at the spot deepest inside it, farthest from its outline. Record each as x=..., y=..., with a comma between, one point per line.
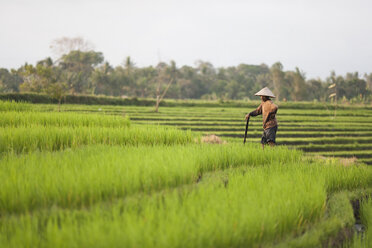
x=255, y=112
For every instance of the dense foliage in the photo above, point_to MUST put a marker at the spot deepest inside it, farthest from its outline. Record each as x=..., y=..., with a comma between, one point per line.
x=86, y=72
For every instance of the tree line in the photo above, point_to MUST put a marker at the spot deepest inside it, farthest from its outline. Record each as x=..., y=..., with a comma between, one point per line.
x=84, y=71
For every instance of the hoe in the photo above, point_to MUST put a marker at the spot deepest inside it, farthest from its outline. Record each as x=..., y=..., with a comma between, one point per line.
x=246, y=130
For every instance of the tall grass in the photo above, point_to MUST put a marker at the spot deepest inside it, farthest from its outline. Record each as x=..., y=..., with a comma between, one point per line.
x=260, y=205
x=246, y=207
x=75, y=178
x=337, y=175
x=14, y=106
x=366, y=215
x=365, y=239
x=32, y=119
x=27, y=139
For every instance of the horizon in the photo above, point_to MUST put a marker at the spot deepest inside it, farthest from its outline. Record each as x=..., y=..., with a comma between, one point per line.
x=317, y=37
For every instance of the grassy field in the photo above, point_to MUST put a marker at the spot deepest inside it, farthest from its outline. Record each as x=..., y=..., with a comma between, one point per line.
x=315, y=128
x=316, y=131
x=110, y=176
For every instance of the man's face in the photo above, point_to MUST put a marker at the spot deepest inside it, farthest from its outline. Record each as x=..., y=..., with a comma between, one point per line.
x=262, y=98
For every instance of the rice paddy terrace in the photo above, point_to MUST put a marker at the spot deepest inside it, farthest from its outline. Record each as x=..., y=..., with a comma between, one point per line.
x=313, y=128
x=348, y=134
x=91, y=177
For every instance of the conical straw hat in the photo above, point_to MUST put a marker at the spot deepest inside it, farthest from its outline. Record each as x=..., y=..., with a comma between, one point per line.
x=265, y=92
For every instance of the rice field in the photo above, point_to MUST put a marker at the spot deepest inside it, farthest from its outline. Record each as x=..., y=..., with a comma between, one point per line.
x=366, y=215
x=363, y=239
x=315, y=131
x=111, y=176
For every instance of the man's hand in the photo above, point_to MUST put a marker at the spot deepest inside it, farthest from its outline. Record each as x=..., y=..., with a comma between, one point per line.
x=247, y=116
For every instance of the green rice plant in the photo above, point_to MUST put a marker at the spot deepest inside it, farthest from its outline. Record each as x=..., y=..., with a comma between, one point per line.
x=366, y=160
x=177, y=114
x=88, y=100
x=206, y=111
x=25, y=139
x=297, y=134
x=301, y=127
x=32, y=119
x=222, y=157
x=359, y=154
x=76, y=178
x=334, y=147
x=326, y=140
x=249, y=207
x=230, y=119
x=329, y=230
x=81, y=197
x=257, y=206
x=364, y=239
x=14, y=106
x=340, y=177
x=238, y=128
x=256, y=124
x=366, y=215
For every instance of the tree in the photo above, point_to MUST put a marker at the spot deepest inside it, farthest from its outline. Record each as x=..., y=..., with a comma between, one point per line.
x=368, y=78
x=129, y=69
x=77, y=58
x=348, y=87
x=297, y=81
x=206, y=75
x=36, y=78
x=45, y=78
x=65, y=45
x=82, y=71
x=79, y=67
x=354, y=86
x=101, y=80
x=9, y=81
x=232, y=89
x=145, y=80
x=277, y=77
x=315, y=90
x=129, y=65
x=57, y=91
x=166, y=74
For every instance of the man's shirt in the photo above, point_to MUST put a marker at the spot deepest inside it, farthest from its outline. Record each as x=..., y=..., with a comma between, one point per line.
x=267, y=108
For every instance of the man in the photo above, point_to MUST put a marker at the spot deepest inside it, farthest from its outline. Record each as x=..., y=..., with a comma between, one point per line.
x=268, y=110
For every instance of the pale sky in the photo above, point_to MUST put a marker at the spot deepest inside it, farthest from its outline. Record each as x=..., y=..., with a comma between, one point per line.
x=316, y=35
